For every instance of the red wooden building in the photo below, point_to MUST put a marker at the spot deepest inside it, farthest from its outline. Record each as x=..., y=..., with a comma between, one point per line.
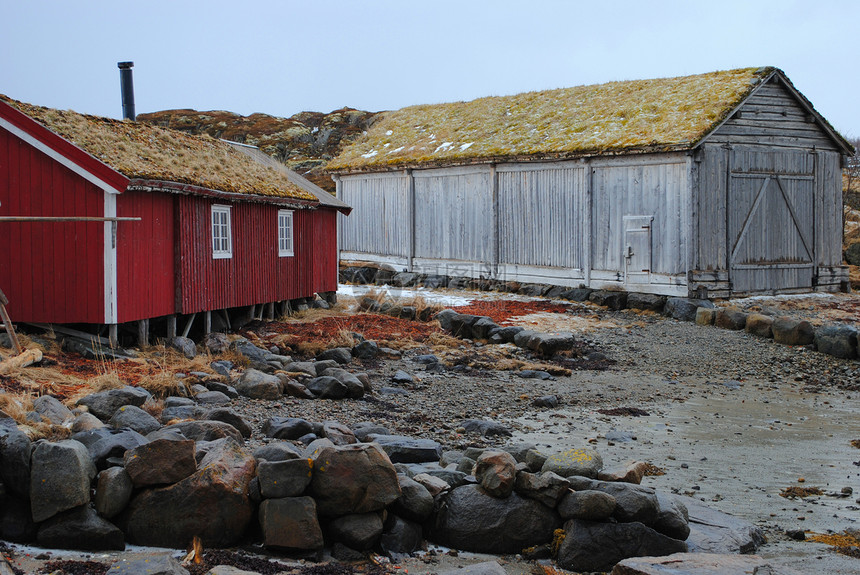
x=218, y=230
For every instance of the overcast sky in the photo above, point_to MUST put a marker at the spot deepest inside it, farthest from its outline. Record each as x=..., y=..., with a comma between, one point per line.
x=283, y=57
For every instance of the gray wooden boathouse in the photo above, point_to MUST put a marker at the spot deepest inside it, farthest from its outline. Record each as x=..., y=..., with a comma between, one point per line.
x=712, y=185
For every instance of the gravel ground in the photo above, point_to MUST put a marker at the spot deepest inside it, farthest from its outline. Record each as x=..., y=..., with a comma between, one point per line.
x=732, y=418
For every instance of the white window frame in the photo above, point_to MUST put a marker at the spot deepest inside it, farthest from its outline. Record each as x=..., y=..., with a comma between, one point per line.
x=286, y=235
x=222, y=233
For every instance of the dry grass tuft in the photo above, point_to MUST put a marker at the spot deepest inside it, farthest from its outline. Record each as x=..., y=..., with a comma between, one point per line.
x=164, y=384
x=16, y=405
x=153, y=407
x=795, y=492
x=140, y=150
x=659, y=114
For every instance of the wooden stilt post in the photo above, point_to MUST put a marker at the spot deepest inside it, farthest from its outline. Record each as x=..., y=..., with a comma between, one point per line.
x=171, y=327
x=188, y=324
x=252, y=313
x=143, y=332
x=207, y=322
x=226, y=316
x=270, y=311
x=4, y=315
x=113, y=335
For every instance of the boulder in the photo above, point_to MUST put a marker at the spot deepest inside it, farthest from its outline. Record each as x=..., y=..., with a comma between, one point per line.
x=592, y=546
x=195, y=411
x=401, y=449
x=341, y=355
x=700, y=564
x=222, y=367
x=760, y=325
x=16, y=520
x=134, y=418
x=482, y=327
x=51, y=409
x=105, y=443
x=521, y=338
x=204, y=430
x=212, y=503
x=80, y=528
x=470, y=519
x=184, y=345
x=705, y=316
x=507, y=333
x=160, y=462
x=113, y=491
x=789, y=331
x=279, y=451
x=258, y=385
x=327, y=387
x=584, y=462
x=358, y=531
x=85, y=422
x=461, y=324
x=212, y=398
x=216, y=342
x=15, y=451
x=293, y=388
x=627, y=472
x=363, y=429
x=287, y=427
x=712, y=531
x=485, y=428
x=672, y=517
x=684, y=309
x=227, y=390
x=365, y=350
x=646, y=301
x=287, y=478
x=434, y=485
x=533, y=290
x=496, y=472
x=852, y=254
x=249, y=350
x=290, y=523
x=60, y=476
x=338, y=433
x=402, y=377
x=633, y=502
x=400, y=535
x=837, y=340
x=588, y=504
x=353, y=479
x=415, y=502
x=548, y=344
x=230, y=417
x=161, y=564
x=548, y=488
x=730, y=318
x=354, y=387
x=303, y=367
x=614, y=300
x=576, y=294
x=105, y=403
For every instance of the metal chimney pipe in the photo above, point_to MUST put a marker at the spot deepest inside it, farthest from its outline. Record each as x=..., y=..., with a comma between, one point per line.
x=127, y=86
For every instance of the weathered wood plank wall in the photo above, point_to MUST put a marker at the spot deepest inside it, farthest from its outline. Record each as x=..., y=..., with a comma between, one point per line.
x=380, y=220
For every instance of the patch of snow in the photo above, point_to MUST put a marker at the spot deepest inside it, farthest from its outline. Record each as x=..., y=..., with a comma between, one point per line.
x=395, y=150
x=315, y=130
x=370, y=154
x=465, y=147
x=385, y=145
x=788, y=296
x=444, y=147
x=389, y=132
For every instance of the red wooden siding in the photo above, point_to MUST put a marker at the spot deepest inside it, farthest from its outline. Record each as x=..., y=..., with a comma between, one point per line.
x=145, y=271
x=50, y=271
x=325, y=244
x=255, y=274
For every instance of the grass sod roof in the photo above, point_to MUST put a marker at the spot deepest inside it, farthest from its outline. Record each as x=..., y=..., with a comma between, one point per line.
x=648, y=115
x=143, y=151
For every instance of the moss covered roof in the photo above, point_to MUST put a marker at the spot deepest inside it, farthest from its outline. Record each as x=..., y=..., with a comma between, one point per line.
x=139, y=150
x=646, y=115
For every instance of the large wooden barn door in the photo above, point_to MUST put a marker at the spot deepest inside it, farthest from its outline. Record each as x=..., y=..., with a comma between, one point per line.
x=770, y=221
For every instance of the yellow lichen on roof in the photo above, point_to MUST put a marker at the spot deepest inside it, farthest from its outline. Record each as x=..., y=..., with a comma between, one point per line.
x=143, y=151
x=666, y=113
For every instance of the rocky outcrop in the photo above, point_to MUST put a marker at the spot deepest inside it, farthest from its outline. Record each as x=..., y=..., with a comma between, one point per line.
x=305, y=141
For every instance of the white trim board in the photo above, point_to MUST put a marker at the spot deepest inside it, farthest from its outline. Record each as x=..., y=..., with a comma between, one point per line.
x=54, y=155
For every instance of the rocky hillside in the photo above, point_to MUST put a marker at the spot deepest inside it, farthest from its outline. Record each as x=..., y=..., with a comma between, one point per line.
x=305, y=141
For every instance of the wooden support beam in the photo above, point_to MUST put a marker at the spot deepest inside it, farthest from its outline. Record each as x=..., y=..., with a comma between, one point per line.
x=171, y=327
x=252, y=312
x=72, y=332
x=207, y=322
x=270, y=311
x=188, y=325
x=226, y=315
x=27, y=357
x=113, y=335
x=64, y=219
x=4, y=315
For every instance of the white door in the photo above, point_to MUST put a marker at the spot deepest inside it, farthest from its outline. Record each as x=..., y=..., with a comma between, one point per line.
x=637, y=249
